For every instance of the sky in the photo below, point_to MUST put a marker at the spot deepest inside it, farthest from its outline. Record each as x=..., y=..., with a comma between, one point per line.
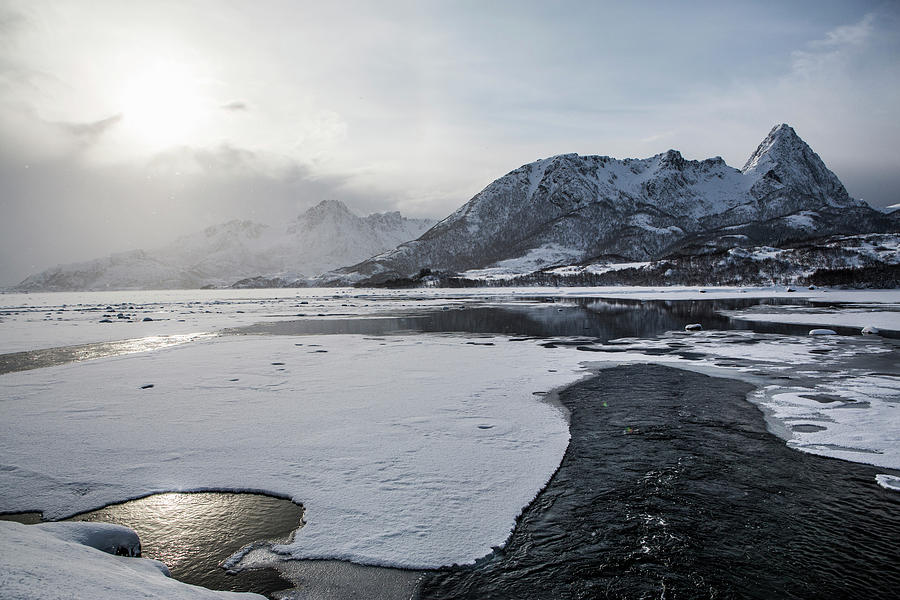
x=126, y=124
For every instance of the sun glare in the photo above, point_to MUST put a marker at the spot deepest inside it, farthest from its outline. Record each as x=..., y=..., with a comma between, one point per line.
x=163, y=105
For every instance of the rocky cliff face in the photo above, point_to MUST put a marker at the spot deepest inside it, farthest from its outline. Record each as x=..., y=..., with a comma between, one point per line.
x=570, y=208
x=325, y=237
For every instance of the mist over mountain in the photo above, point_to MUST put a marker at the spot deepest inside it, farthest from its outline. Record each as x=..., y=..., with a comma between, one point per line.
x=324, y=237
x=569, y=209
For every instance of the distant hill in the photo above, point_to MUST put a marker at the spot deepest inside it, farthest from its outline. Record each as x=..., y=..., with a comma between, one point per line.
x=324, y=237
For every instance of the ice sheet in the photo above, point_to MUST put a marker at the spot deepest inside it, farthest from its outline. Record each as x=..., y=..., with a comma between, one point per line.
x=412, y=451
x=887, y=320
x=416, y=450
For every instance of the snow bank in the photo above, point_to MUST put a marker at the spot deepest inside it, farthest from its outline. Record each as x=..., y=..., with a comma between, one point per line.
x=411, y=451
x=50, y=561
x=106, y=537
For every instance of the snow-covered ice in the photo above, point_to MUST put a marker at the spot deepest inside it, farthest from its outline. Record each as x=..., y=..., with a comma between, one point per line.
x=412, y=451
x=68, y=561
x=409, y=450
x=882, y=318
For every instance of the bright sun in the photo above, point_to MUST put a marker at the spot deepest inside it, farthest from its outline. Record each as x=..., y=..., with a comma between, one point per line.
x=163, y=104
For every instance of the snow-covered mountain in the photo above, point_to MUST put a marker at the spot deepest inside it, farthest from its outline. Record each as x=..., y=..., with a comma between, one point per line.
x=569, y=209
x=325, y=237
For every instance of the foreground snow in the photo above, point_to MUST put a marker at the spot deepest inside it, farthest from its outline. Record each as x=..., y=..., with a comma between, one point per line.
x=412, y=451
x=71, y=561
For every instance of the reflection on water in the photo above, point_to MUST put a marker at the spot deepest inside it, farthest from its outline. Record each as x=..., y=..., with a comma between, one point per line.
x=25, y=518
x=587, y=317
x=193, y=532
x=37, y=359
x=601, y=319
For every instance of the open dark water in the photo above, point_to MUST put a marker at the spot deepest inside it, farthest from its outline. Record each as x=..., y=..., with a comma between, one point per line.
x=193, y=532
x=672, y=488
x=601, y=319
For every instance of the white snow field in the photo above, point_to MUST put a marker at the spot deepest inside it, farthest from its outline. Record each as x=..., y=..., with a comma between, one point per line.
x=414, y=451
x=70, y=561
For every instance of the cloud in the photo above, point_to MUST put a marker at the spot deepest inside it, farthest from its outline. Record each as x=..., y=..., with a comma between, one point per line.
x=87, y=134
x=235, y=105
x=11, y=21
x=833, y=51
x=853, y=34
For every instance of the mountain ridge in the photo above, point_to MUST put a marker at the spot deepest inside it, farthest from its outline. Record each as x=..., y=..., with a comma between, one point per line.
x=326, y=236
x=569, y=208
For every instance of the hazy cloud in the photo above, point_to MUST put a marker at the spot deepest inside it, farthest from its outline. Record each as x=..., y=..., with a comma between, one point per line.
x=834, y=49
x=410, y=106
x=87, y=134
x=235, y=105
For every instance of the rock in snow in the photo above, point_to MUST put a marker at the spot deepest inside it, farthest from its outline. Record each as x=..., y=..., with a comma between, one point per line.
x=325, y=237
x=570, y=208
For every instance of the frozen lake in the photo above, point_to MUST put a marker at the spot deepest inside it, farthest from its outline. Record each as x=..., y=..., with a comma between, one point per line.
x=414, y=426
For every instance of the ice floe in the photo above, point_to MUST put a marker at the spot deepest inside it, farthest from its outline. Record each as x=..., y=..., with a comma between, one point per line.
x=888, y=482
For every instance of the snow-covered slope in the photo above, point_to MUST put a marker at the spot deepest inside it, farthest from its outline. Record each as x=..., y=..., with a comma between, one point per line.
x=79, y=561
x=325, y=237
x=572, y=208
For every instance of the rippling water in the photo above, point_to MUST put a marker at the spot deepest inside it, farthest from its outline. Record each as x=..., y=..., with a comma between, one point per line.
x=672, y=488
x=192, y=533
